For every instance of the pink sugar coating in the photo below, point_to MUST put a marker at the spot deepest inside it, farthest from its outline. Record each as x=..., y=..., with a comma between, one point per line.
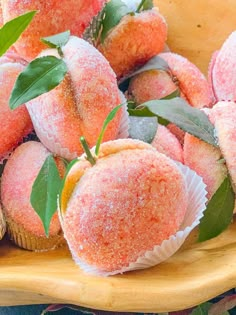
x=223, y=71
x=192, y=82
x=151, y=85
x=203, y=158
x=123, y=206
x=15, y=124
x=225, y=123
x=80, y=104
x=134, y=41
x=167, y=143
x=18, y=177
x=53, y=17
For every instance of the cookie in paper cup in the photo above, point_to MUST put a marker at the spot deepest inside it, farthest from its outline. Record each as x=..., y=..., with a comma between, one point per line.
x=24, y=226
x=116, y=212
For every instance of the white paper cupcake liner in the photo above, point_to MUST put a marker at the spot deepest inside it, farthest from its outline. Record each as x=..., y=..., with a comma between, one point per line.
x=196, y=206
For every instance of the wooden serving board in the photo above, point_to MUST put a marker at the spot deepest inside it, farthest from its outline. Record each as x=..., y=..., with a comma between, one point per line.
x=195, y=274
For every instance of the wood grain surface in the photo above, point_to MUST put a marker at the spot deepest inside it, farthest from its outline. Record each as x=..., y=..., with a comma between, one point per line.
x=195, y=274
x=196, y=28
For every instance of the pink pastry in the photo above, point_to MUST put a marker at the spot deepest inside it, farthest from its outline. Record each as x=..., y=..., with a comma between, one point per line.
x=182, y=75
x=131, y=200
x=80, y=104
x=135, y=40
x=53, y=17
x=24, y=225
x=14, y=124
x=212, y=163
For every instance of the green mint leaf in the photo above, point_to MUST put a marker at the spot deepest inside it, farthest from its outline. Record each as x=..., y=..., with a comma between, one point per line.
x=219, y=212
x=155, y=63
x=109, y=118
x=44, y=192
x=145, y=5
x=58, y=40
x=202, y=309
x=143, y=128
x=39, y=77
x=12, y=30
x=113, y=12
x=187, y=118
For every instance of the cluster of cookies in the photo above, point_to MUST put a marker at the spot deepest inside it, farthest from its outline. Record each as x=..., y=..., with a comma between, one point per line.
x=114, y=213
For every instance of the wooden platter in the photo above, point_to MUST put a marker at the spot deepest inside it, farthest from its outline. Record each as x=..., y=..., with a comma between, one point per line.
x=198, y=272
x=195, y=274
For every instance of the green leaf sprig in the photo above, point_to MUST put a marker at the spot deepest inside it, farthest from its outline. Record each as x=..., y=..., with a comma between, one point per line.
x=44, y=192
x=39, y=77
x=109, y=118
x=11, y=31
x=219, y=212
x=187, y=118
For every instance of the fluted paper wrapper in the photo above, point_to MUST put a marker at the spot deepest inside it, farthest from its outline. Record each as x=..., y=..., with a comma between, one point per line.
x=196, y=206
x=27, y=240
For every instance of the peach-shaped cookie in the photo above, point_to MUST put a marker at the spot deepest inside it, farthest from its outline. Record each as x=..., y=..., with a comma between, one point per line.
x=24, y=225
x=183, y=75
x=14, y=124
x=212, y=163
x=222, y=71
x=132, y=199
x=53, y=17
x=80, y=104
x=135, y=40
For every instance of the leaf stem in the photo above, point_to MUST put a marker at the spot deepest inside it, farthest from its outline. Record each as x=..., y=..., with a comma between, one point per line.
x=140, y=6
x=60, y=52
x=87, y=151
